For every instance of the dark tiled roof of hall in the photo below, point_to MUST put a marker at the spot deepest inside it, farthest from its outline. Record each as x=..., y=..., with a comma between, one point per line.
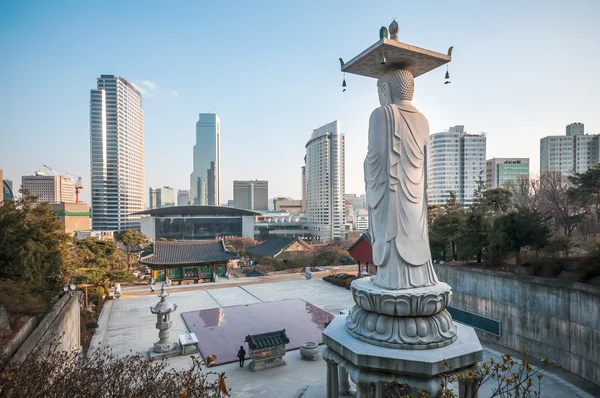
x=189, y=253
x=266, y=340
x=272, y=246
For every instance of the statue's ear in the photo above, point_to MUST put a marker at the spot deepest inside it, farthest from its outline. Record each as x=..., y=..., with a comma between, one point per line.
x=386, y=89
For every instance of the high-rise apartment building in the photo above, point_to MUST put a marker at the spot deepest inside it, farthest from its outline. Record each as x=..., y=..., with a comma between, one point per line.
x=303, y=196
x=251, y=195
x=572, y=153
x=116, y=154
x=325, y=182
x=183, y=197
x=499, y=171
x=205, y=179
x=161, y=197
x=455, y=161
x=52, y=189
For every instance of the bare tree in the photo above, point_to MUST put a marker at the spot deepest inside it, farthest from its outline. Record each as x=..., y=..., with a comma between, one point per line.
x=555, y=199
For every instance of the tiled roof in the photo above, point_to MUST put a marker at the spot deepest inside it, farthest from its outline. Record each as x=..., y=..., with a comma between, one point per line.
x=265, y=340
x=166, y=253
x=273, y=246
x=365, y=235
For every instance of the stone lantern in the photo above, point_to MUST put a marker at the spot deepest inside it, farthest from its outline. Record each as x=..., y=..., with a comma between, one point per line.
x=163, y=310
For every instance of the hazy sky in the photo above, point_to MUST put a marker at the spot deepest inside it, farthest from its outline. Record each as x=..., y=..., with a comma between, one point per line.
x=521, y=70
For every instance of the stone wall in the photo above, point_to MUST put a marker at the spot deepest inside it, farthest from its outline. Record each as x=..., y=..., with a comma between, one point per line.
x=546, y=317
x=60, y=326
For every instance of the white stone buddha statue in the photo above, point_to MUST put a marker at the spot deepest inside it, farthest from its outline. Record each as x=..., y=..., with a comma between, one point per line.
x=396, y=186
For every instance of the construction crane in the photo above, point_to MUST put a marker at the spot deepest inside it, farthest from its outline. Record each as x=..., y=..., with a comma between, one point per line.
x=78, y=183
x=78, y=186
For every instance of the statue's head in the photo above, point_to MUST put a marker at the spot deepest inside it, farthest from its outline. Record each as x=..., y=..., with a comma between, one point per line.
x=395, y=85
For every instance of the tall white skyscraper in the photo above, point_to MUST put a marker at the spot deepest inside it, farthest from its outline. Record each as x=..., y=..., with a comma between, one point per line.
x=205, y=180
x=325, y=182
x=572, y=153
x=116, y=154
x=455, y=160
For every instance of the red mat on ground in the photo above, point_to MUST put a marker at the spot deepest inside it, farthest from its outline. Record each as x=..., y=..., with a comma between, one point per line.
x=222, y=331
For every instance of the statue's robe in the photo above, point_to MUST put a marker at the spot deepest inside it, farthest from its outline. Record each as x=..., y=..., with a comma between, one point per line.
x=396, y=187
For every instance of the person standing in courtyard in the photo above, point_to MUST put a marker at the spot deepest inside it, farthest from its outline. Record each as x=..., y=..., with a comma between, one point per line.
x=241, y=356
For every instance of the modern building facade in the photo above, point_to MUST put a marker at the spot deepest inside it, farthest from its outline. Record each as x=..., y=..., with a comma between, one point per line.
x=183, y=197
x=286, y=204
x=6, y=189
x=361, y=220
x=116, y=154
x=499, y=171
x=455, y=161
x=197, y=223
x=251, y=195
x=325, y=182
x=161, y=197
x=572, y=153
x=205, y=179
x=75, y=217
x=356, y=201
x=52, y=189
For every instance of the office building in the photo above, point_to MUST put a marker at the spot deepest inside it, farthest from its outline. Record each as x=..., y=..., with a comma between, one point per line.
x=455, y=161
x=197, y=223
x=116, y=154
x=286, y=204
x=251, y=195
x=52, y=189
x=572, y=153
x=161, y=197
x=499, y=171
x=325, y=182
x=74, y=217
x=205, y=178
x=356, y=201
x=361, y=220
x=183, y=197
x=303, y=183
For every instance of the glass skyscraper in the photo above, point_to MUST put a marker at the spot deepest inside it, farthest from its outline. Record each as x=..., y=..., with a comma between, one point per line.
x=499, y=171
x=116, y=154
x=205, y=179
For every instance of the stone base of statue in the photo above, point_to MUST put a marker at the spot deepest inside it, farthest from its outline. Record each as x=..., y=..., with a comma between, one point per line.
x=406, y=335
x=373, y=367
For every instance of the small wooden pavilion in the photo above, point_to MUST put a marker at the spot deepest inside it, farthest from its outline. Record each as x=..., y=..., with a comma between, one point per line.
x=362, y=252
x=192, y=261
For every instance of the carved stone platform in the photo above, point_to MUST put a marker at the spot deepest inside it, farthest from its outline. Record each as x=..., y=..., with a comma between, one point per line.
x=420, y=301
x=409, y=319
x=411, y=333
x=369, y=365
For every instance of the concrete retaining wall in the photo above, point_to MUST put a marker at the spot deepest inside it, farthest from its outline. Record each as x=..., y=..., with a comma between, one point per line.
x=18, y=339
x=60, y=326
x=546, y=317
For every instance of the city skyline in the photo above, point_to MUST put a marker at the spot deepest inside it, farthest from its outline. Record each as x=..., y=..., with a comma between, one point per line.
x=493, y=72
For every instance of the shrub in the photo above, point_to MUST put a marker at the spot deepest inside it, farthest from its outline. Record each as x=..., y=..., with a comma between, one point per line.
x=17, y=301
x=104, y=374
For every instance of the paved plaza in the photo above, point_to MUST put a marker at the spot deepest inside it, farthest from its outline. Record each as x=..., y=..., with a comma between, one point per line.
x=127, y=324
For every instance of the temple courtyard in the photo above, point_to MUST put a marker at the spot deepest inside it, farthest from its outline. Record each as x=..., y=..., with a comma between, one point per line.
x=127, y=325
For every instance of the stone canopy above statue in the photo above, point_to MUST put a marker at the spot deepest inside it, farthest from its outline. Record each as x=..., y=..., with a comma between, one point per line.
x=389, y=53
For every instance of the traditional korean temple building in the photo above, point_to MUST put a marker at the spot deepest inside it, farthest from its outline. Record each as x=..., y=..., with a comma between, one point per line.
x=189, y=261
x=281, y=247
x=362, y=252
